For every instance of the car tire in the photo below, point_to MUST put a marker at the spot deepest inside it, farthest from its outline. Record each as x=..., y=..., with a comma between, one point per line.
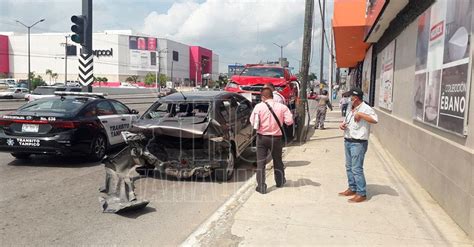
x=21, y=156
x=98, y=147
x=225, y=173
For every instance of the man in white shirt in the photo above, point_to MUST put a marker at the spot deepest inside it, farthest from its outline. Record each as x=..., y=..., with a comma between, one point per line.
x=356, y=128
x=277, y=97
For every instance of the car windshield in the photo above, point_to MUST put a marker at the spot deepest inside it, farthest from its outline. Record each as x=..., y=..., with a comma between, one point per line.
x=47, y=90
x=55, y=105
x=263, y=72
x=178, y=110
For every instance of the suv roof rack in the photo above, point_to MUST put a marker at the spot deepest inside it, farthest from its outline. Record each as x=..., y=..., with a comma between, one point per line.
x=95, y=95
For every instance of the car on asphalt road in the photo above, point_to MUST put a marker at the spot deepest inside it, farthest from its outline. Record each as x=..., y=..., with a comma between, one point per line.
x=14, y=93
x=195, y=133
x=49, y=91
x=68, y=123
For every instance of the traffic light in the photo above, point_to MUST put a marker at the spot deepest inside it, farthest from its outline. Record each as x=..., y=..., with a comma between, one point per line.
x=78, y=28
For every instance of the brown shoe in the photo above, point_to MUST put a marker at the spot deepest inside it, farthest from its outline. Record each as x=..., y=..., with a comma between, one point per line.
x=357, y=199
x=348, y=192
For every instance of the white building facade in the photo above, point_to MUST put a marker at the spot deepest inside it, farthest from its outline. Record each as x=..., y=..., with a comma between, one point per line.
x=117, y=56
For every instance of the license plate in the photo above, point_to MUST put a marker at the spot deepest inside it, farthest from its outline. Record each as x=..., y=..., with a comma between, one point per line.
x=29, y=128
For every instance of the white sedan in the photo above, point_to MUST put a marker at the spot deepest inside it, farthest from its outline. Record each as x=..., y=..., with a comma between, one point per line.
x=14, y=93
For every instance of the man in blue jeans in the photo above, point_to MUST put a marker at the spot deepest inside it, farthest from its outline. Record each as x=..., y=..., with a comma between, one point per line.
x=356, y=128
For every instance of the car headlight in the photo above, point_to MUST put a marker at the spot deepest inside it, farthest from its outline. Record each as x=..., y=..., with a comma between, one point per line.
x=232, y=85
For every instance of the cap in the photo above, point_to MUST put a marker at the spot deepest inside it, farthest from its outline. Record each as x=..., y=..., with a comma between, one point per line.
x=356, y=92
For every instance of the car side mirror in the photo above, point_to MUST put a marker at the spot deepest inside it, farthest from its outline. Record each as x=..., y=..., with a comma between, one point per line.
x=293, y=78
x=135, y=111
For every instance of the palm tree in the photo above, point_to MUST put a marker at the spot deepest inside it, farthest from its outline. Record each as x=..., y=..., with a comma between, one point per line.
x=54, y=76
x=50, y=73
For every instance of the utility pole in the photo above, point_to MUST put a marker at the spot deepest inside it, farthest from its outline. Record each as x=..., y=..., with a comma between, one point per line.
x=308, y=26
x=323, y=34
x=172, y=62
x=158, y=71
x=331, y=61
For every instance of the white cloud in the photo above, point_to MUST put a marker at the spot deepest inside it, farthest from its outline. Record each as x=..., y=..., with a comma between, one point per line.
x=239, y=31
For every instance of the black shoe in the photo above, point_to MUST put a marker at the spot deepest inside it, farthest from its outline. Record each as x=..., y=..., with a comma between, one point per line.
x=282, y=184
x=261, y=190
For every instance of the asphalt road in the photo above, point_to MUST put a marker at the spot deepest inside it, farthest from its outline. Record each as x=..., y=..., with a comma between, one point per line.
x=54, y=201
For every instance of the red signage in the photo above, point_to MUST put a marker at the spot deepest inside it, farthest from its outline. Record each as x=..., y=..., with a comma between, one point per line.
x=437, y=31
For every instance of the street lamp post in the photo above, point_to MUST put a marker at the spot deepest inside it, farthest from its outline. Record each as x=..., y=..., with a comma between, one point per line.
x=29, y=62
x=281, y=48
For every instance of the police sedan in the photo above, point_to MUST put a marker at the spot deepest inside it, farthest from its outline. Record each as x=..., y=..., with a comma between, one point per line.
x=68, y=123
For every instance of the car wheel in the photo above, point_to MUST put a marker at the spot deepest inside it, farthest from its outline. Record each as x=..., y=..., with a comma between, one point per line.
x=98, y=147
x=21, y=156
x=225, y=173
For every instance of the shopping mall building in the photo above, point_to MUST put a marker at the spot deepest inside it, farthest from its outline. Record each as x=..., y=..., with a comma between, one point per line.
x=413, y=60
x=117, y=56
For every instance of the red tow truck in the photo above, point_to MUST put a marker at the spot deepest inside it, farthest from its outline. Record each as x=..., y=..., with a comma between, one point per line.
x=254, y=76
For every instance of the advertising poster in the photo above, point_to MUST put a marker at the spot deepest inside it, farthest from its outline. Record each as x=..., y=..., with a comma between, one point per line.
x=386, y=77
x=142, y=53
x=366, y=70
x=442, y=65
x=420, y=89
x=453, y=102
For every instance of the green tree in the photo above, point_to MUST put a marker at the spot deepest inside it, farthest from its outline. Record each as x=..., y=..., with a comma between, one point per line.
x=150, y=79
x=133, y=78
x=36, y=81
x=162, y=79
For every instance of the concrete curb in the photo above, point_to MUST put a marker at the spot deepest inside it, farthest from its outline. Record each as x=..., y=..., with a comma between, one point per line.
x=228, y=209
x=223, y=212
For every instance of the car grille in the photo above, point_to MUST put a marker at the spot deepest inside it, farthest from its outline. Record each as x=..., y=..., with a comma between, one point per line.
x=255, y=88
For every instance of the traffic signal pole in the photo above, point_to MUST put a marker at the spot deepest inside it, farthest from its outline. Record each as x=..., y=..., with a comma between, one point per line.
x=82, y=29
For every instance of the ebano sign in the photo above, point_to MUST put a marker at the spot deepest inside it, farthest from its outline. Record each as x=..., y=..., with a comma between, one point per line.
x=103, y=53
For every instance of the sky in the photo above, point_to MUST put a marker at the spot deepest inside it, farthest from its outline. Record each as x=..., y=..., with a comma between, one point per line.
x=240, y=31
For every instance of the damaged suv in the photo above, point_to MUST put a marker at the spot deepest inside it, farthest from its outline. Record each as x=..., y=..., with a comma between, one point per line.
x=193, y=133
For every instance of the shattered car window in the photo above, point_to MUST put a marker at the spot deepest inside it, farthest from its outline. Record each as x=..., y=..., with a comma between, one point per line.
x=178, y=110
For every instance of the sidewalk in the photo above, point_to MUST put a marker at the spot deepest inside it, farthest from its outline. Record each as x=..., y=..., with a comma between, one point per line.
x=308, y=210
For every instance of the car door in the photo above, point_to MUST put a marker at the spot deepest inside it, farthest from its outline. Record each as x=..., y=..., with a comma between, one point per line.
x=111, y=121
x=244, y=109
x=126, y=115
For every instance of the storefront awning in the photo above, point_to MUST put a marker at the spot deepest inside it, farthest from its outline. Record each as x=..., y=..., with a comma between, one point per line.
x=349, y=31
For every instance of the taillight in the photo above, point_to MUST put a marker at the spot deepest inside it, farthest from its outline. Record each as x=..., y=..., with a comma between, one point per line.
x=5, y=123
x=65, y=124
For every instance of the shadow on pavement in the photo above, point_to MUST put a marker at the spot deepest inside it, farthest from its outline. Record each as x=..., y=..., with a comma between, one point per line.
x=134, y=214
x=55, y=161
x=295, y=184
x=376, y=189
x=326, y=138
x=296, y=163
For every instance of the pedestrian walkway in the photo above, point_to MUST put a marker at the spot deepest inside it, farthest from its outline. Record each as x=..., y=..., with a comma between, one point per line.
x=308, y=210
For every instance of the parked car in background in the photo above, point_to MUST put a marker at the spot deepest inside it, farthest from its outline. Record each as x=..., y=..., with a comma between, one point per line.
x=8, y=82
x=68, y=123
x=48, y=91
x=14, y=93
x=194, y=133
